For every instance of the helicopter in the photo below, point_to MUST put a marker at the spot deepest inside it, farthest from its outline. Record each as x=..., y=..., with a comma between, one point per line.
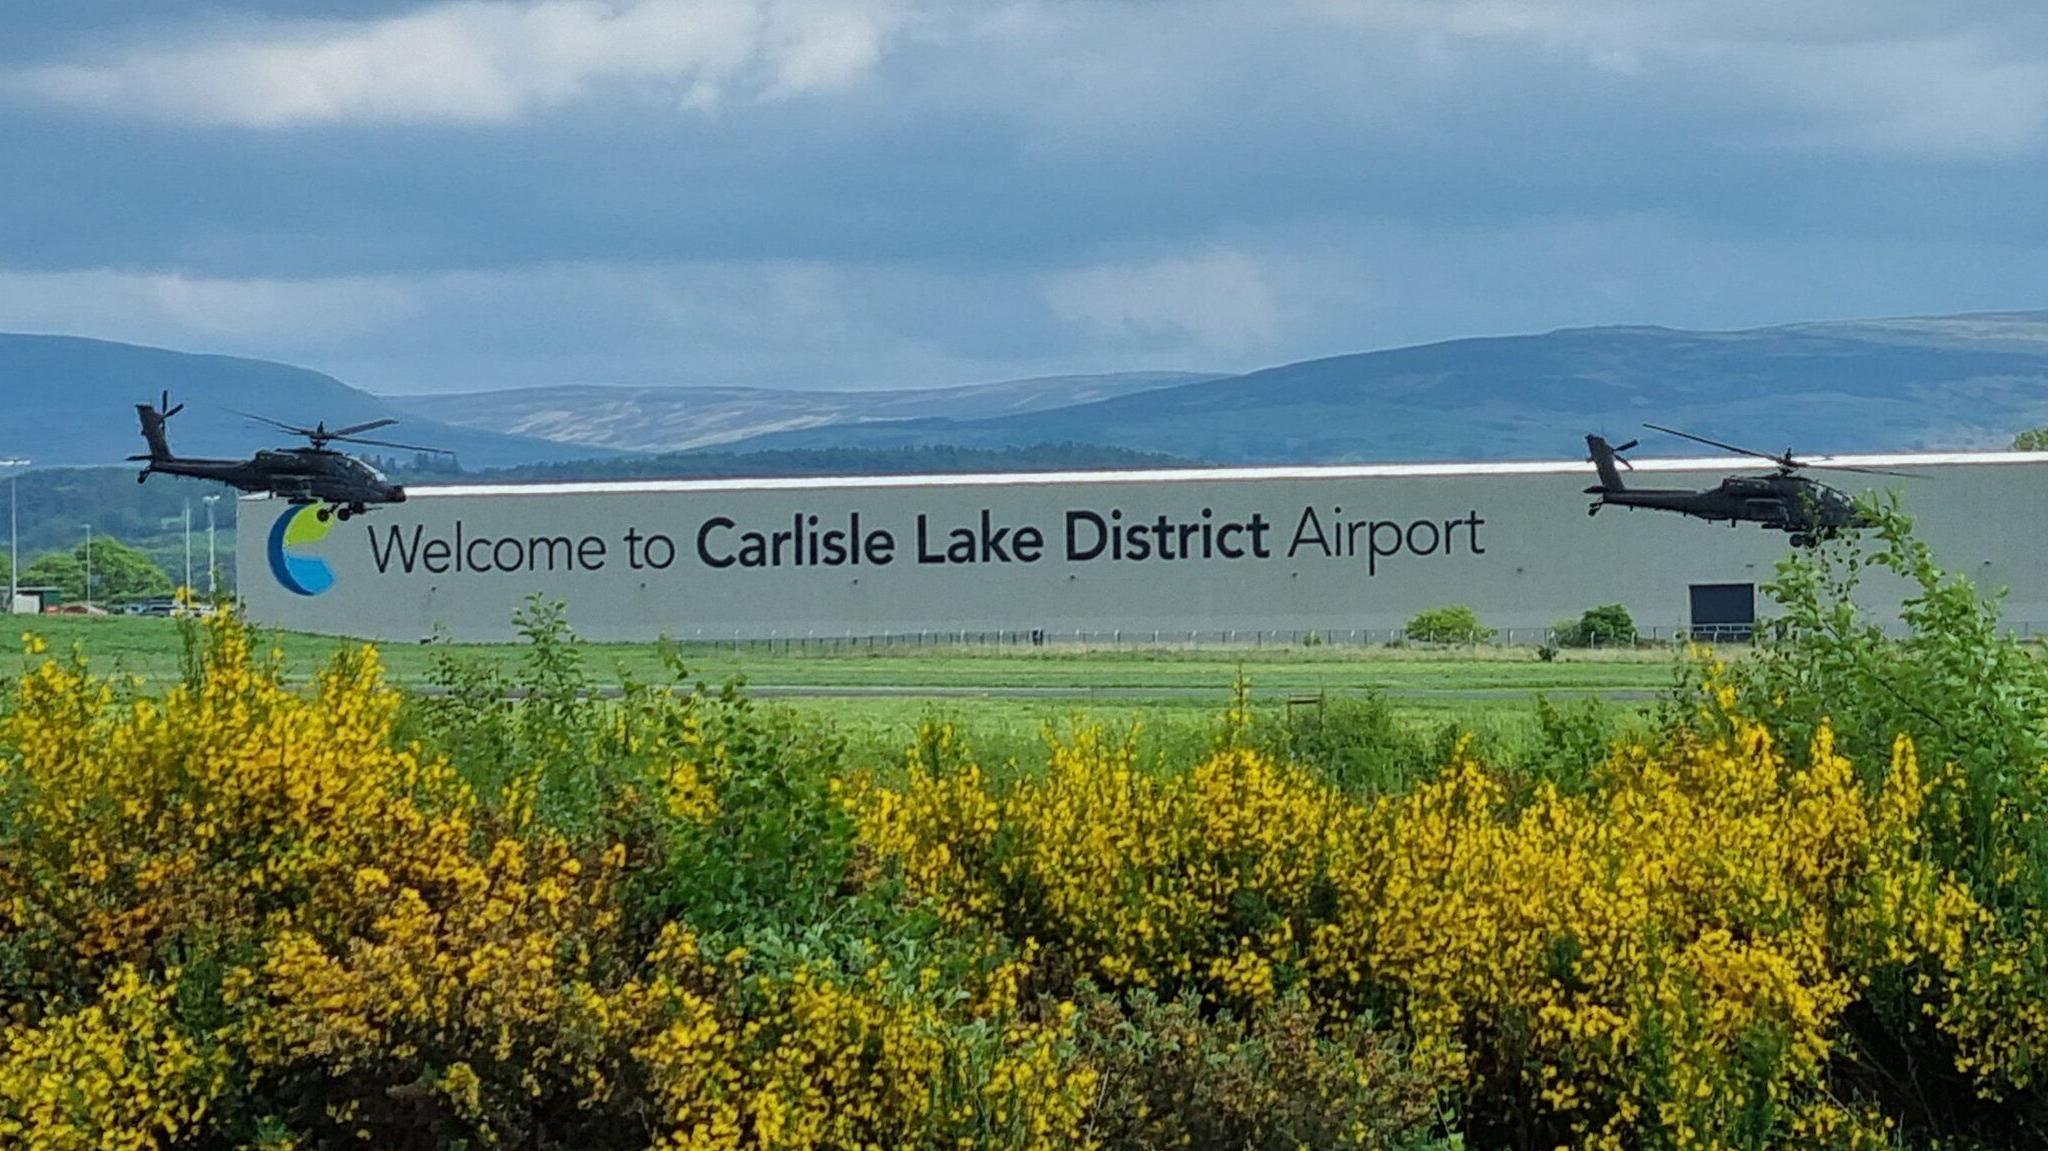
x=1783, y=501
x=346, y=486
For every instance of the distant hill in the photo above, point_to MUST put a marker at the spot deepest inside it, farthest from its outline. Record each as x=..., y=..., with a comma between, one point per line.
x=667, y=419
x=1937, y=382
x=834, y=462
x=70, y=401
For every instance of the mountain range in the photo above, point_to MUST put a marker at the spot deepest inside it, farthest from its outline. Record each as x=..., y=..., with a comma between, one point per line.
x=1896, y=384
x=1949, y=382
x=658, y=419
x=70, y=401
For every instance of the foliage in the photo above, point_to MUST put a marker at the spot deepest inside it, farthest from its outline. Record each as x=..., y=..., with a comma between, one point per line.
x=2031, y=440
x=1962, y=933
x=1354, y=743
x=1456, y=623
x=713, y=789
x=1278, y=1078
x=1661, y=946
x=1573, y=742
x=54, y=503
x=1608, y=625
x=242, y=914
x=119, y=572
x=1804, y=912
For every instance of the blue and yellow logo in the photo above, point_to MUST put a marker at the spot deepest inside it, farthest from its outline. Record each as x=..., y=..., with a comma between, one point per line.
x=298, y=528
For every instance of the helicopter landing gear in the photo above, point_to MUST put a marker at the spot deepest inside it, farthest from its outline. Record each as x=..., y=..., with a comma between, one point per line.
x=342, y=512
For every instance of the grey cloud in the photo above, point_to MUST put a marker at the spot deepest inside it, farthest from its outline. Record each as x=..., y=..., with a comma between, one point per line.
x=1016, y=188
x=462, y=61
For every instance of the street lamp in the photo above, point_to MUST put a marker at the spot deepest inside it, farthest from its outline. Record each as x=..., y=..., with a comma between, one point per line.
x=188, y=548
x=13, y=538
x=212, y=569
x=88, y=569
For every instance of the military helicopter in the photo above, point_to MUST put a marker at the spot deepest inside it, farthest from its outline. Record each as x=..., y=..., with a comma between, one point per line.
x=312, y=474
x=1783, y=501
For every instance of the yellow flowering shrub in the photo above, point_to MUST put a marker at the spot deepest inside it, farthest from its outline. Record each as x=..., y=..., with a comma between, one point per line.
x=471, y=991
x=1920, y=934
x=114, y=1075
x=808, y=1059
x=1139, y=880
x=1657, y=952
x=133, y=822
x=243, y=914
x=1674, y=949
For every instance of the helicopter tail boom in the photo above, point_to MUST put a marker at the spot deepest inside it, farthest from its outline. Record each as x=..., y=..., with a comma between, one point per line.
x=1604, y=457
x=152, y=433
x=153, y=421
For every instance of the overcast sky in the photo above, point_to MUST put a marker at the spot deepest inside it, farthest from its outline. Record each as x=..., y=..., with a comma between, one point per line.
x=867, y=193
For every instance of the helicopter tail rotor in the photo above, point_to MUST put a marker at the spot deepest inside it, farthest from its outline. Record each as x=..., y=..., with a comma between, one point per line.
x=153, y=420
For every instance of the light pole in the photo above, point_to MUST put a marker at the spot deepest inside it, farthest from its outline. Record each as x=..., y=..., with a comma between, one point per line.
x=212, y=569
x=13, y=537
x=188, y=547
x=88, y=569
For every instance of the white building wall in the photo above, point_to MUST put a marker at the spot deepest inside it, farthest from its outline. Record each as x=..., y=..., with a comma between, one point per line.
x=1532, y=557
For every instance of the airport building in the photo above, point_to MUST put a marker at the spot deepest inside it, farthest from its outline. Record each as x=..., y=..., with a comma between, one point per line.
x=1209, y=555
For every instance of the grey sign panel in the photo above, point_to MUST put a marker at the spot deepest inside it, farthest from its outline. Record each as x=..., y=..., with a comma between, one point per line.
x=1279, y=549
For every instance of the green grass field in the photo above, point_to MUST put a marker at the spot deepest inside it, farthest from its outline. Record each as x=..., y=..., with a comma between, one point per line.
x=1007, y=697
x=150, y=648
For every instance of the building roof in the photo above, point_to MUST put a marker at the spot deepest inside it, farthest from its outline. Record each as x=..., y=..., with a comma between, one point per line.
x=1893, y=460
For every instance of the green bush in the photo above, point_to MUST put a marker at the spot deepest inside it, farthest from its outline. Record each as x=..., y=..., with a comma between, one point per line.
x=1572, y=743
x=119, y=573
x=1176, y=1074
x=1455, y=623
x=1973, y=1012
x=1357, y=744
x=1608, y=625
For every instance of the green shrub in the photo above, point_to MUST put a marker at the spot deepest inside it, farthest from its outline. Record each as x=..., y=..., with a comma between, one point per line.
x=1355, y=743
x=1608, y=625
x=1455, y=623
x=1572, y=743
x=1175, y=1074
x=1954, y=954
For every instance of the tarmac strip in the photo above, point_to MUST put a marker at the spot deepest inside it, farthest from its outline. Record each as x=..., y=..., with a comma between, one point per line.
x=1139, y=694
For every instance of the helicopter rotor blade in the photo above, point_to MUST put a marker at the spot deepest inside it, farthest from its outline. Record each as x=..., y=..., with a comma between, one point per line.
x=1865, y=471
x=355, y=429
x=1784, y=461
x=1629, y=446
x=391, y=444
x=279, y=424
